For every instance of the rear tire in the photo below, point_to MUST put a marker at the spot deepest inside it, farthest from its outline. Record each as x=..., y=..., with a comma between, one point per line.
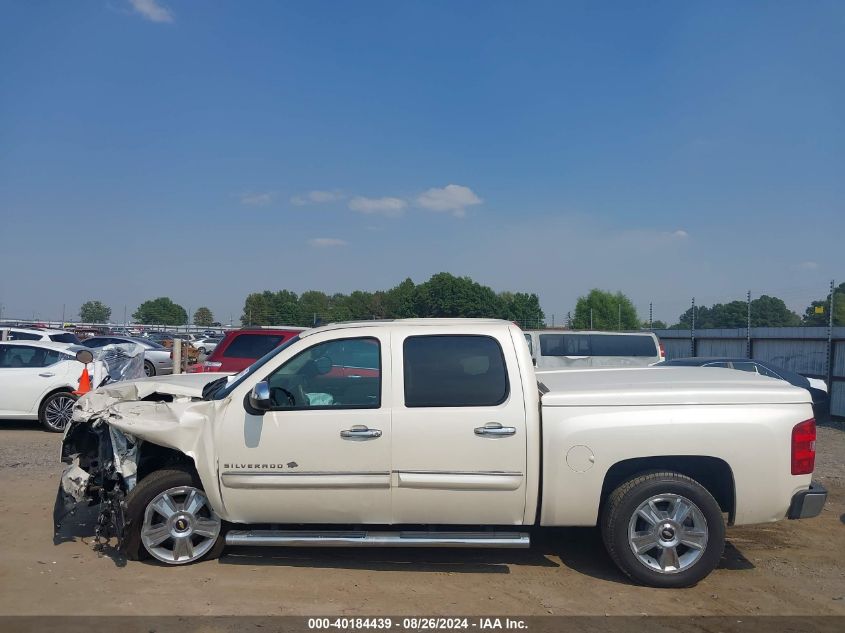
x=56, y=410
x=149, y=369
x=169, y=518
x=663, y=530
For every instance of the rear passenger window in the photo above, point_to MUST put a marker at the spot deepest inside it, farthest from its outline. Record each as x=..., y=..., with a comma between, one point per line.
x=564, y=345
x=454, y=371
x=622, y=345
x=252, y=345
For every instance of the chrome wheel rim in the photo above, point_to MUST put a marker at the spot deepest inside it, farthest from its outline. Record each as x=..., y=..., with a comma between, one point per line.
x=668, y=533
x=58, y=412
x=148, y=370
x=179, y=526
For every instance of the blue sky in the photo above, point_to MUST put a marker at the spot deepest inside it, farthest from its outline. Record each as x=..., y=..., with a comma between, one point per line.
x=205, y=150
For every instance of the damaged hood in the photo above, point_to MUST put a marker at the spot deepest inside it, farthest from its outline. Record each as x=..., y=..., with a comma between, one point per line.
x=172, y=416
x=173, y=385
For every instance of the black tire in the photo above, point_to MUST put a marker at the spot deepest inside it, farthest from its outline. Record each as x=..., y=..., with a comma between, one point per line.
x=47, y=410
x=622, y=505
x=143, y=494
x=149, y=368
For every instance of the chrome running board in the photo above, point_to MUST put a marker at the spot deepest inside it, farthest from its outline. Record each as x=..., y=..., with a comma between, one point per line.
x=296, y=538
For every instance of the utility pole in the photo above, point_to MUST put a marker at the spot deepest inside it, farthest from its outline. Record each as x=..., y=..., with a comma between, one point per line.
x=569, y=320
x=748, y=328
x=692, y=330
x=591, y=318
x=650, y=316
x=619, y=326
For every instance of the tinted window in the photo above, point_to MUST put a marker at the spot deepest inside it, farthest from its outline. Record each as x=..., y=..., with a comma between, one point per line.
x=597, y=345
x=764, y=371
x=12, y=356
x=454, y=371
x=23, y=336
x=746, y=367
x=719, y=364
x=564, y=345
x=530, y=343
x=95, y=341
x=252, y=345
x=622, y=345
x=330, y=375
x=66, y=337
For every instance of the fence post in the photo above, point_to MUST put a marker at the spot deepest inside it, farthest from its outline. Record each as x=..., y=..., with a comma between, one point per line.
x=748, y=329
x=177, y=355
x=692, y=330
x=830, y=340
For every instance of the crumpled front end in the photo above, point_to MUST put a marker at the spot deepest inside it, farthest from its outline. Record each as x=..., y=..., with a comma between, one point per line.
x=102, y=446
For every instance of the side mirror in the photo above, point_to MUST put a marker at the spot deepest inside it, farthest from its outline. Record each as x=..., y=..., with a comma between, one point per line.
x=259, y=398
x=85, y=356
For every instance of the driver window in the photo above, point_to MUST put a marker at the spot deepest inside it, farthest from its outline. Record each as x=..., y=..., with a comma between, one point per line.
x=342, y=374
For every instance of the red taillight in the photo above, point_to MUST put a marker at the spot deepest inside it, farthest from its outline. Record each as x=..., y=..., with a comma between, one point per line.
x=662, y=351
x=804, y=447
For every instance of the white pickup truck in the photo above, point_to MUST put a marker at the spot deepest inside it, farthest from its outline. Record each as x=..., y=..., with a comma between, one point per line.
x=436, y=432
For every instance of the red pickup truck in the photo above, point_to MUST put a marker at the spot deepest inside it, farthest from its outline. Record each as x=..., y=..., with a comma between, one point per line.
x=240, y=348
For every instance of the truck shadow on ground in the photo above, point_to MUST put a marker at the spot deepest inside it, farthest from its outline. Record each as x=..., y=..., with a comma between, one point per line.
x=578, y=549
x=81, y=526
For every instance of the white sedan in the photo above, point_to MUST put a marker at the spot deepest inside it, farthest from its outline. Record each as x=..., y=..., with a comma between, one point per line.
x=37, y=381
x=206, y=345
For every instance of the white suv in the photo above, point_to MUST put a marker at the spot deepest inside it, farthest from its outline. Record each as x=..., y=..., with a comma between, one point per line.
x=37, y=380
x=31, y=334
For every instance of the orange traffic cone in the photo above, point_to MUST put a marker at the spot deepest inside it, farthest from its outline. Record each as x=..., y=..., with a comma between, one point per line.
x=84, y=383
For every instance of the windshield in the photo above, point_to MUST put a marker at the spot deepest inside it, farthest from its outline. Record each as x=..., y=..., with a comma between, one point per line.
x=222, y=387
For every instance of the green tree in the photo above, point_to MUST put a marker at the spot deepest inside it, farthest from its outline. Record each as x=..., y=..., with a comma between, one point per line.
x=654, y=325
x=522, y=308
x=272, y=308
x=610, y=311
x=162, y=311
x=94, y=312
x=203, y=317
x=445, y=295
x=314, y=307
x=769, y=311
x=400, y=301
x=822, y=317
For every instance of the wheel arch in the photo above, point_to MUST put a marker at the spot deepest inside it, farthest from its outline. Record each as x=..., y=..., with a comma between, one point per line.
x=152, y=457
x=50, y=392
x=713, y=473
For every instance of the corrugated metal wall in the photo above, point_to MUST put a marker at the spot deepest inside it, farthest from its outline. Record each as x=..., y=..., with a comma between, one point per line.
x=720, y=347
x=801, y=349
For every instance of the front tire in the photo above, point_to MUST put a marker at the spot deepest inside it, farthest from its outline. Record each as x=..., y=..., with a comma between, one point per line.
x=56, y=410
x=663, y=530
x=169, y=519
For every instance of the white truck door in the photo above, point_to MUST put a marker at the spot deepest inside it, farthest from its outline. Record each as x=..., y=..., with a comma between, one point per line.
x=459, y=436
x=322, y=455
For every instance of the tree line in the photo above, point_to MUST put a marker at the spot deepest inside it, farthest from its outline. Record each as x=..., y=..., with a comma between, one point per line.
x=447, y=295
x=443, y=295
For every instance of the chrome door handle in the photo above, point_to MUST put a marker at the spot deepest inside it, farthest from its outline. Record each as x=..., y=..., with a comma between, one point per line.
x=360, y=432
x=494, y=429
x=47, y=374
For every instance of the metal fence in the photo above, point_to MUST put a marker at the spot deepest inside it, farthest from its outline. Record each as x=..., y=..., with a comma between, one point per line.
x=817, y=352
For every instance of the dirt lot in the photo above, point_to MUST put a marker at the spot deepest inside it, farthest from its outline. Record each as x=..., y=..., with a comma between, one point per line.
x=789, y=568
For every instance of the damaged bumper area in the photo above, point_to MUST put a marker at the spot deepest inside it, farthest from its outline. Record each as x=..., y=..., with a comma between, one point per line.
x=102, y=444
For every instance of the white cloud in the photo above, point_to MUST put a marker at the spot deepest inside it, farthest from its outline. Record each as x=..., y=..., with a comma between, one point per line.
x=151, y=10
x=257, y=199
x=326, y=242
x=316, y=197
x=680, y=233
x=452, y=199
x=389, y=207
x=807, y=266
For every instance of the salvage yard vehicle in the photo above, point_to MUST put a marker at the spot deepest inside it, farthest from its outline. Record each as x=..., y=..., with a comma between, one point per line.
x=41, y=334
x=37, y=381
x=240, y=348
x=566, y=349
x=157, y=358
x=437, y=433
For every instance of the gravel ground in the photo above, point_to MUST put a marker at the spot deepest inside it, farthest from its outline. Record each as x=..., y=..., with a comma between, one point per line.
x=787, y=568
